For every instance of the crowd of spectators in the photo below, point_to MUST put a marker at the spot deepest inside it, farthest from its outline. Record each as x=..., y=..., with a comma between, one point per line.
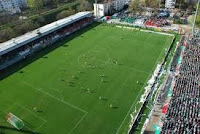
x=183, y=114
x=159, y=20
x=156, y=22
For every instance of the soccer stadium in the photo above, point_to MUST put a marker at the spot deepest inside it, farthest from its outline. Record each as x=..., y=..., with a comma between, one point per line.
x=77, y=76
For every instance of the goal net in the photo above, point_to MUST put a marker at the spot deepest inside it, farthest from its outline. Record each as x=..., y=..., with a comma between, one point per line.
x=15, y=121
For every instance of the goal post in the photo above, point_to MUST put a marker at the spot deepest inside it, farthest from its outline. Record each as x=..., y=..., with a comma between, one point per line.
x=15, y=121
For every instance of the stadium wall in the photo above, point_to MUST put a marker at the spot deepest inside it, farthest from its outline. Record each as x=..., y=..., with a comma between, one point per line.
x=150, y=28
x=148, y=31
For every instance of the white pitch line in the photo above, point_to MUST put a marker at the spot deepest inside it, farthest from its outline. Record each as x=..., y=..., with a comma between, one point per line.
x=38, y=89
x=78, y=123
x=44, y=121
x=60, y=92
x=31, y=129
x=22, y=107
x=40, y=125
x=31, y=112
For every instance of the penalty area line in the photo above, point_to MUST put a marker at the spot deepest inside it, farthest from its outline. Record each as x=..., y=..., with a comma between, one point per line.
x=39, y=89
x=31, y=112
x=78, y=123
x=41, y=124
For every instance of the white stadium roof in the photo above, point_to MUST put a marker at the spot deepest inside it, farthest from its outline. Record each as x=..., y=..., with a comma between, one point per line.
x=33, y=35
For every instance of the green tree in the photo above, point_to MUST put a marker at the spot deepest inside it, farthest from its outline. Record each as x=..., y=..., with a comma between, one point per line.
x=41, y=20
x=7, y=34
x=65, y=13
x=48, y=2
x=25, y=27
x=190, y=19
x=35, y=4
x=84, y=5
x=198, y=19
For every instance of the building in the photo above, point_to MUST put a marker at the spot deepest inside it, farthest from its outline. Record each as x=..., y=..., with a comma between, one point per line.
x=105, y=8
x=170, y=4
x=102, y=9
x=13, y=6
x=119, y=4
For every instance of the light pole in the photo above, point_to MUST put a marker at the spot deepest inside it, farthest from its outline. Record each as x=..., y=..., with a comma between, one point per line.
x=96, y=7
x=193, y=28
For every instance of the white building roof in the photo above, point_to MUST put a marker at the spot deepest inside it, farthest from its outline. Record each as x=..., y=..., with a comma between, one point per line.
x=33, y=35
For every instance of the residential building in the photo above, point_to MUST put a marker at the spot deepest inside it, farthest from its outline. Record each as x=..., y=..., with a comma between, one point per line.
x=108, y=7
x=170, y=4
x=13, y=6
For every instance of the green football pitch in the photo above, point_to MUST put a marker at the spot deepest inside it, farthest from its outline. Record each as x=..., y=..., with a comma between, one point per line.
x=86, y=84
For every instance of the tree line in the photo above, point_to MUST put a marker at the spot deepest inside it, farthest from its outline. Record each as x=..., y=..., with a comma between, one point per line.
x=24, y=26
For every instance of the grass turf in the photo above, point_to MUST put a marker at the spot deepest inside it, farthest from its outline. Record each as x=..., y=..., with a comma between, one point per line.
x=66, y=84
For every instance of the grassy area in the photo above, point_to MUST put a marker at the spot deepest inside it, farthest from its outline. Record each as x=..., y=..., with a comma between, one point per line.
x=74, y=86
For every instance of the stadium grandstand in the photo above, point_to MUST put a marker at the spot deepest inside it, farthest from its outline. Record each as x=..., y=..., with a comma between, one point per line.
x=177, y=107
x=19, y=48
x=183, y=110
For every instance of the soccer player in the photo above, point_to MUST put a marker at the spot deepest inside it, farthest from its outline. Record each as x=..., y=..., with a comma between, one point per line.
x=35, y=109
x=111, y=106
x=88, y=90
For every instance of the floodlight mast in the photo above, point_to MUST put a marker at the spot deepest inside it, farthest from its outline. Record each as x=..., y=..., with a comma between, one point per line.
x=193, y=28
x=96, y=7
